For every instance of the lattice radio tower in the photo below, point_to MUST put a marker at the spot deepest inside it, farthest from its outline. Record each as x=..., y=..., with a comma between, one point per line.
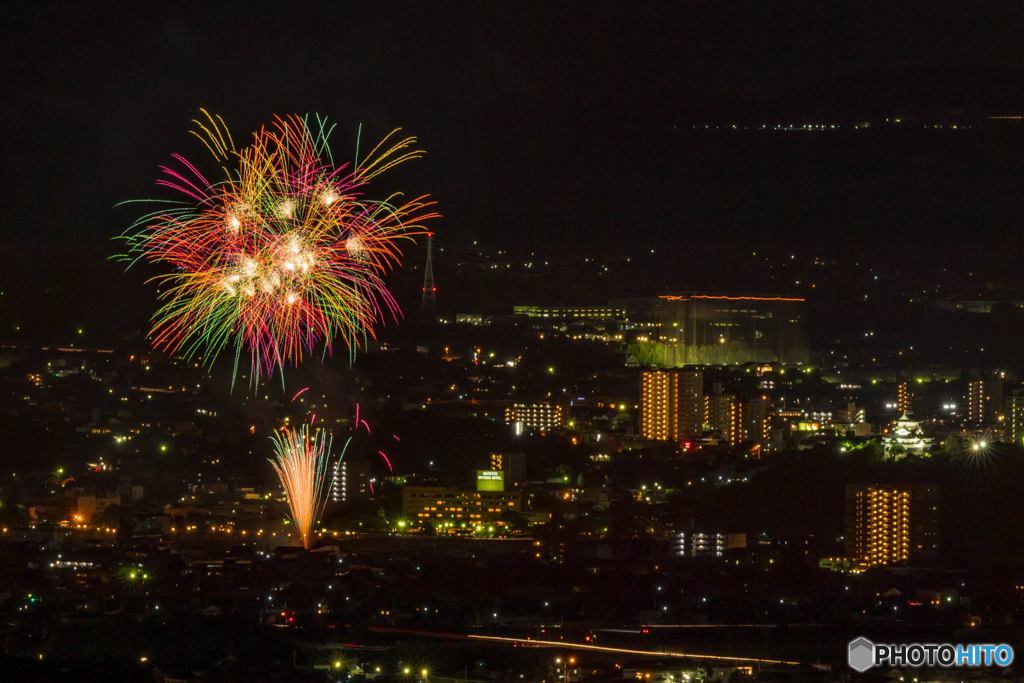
x=428, y=301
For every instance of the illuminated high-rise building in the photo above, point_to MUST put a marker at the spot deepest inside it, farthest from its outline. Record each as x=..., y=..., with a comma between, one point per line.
x=985, y=401
x=658, y=419
x=976, y=401
x=1015, y=408
x=755, y=420
x=716, y=409
x=736, y=425
x=903, y=404
x=890, y=523
x=850, y=415
x=671, y=404
x=513, y=465
x=339, y=481
x=691, y=407
x=350, y=479
x=724, y=414
x=995, y=406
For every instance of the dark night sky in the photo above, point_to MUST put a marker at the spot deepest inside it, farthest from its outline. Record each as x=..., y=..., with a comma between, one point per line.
x=548, y=124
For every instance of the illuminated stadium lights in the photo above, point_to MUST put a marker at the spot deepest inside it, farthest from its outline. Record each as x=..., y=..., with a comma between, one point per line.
x=687, y=329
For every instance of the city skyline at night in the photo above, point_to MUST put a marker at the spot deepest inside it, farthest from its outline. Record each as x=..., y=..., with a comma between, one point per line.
x=549, y=343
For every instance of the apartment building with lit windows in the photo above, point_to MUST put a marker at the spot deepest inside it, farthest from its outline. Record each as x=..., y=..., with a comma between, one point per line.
x=889, y=524
x=671, y=404
x=1015, y=406
x=903, y=399
x=538, y=416
x=456, y=510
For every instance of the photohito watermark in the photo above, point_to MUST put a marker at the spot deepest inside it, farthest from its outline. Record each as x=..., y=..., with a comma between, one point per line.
x=864, y=654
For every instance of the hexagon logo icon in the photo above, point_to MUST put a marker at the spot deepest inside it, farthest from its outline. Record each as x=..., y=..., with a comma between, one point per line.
x=861, y=654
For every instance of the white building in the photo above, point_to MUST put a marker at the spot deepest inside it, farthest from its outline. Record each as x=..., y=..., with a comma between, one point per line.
x=906, y=436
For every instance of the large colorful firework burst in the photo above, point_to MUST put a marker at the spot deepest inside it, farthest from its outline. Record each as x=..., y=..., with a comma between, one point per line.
x=282, y=256
x=302, y=461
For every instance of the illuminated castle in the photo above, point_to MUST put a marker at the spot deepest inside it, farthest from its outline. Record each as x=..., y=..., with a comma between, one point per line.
x=906, y=437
